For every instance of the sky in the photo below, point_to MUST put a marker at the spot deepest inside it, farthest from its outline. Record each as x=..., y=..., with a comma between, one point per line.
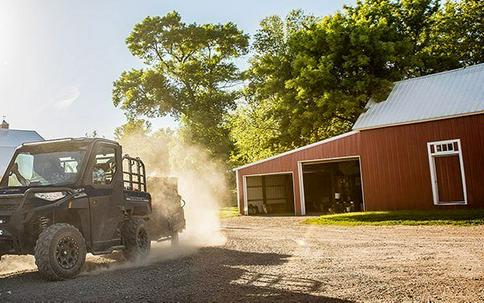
x=58, y=59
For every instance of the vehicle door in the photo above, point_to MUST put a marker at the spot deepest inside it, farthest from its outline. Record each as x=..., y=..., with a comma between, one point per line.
x=104, y=209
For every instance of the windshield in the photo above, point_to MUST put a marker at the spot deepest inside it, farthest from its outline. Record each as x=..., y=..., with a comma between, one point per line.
x=41, y=168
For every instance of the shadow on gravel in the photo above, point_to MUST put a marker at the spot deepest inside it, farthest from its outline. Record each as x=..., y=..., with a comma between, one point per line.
x=214, y=274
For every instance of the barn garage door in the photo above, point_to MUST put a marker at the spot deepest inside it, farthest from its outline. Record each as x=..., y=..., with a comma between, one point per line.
x=449, y=180
x=270, y=194
x=332, y=186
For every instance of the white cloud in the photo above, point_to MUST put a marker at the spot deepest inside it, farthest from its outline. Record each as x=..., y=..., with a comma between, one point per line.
x=66, y=97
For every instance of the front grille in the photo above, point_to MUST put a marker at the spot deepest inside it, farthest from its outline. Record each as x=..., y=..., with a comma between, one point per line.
x=6, y=246
x=9, y=203
x=8, y=207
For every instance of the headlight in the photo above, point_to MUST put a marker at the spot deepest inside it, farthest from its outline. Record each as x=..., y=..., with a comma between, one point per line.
x=53, y=196
x=2, y=232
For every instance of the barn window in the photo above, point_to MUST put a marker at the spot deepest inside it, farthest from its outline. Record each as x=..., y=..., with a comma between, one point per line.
x=447, y=172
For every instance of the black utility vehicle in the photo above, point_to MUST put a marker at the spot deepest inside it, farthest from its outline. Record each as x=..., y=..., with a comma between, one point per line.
x=63, y=198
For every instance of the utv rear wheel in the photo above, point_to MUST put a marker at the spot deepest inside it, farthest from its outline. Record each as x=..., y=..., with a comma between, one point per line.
x=60, y=252
x=136, y=241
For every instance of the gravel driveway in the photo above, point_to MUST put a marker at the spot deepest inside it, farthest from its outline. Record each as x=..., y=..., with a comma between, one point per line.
x=279, y=259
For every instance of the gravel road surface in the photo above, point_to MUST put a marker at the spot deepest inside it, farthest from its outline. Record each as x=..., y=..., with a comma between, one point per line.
x=279, y=259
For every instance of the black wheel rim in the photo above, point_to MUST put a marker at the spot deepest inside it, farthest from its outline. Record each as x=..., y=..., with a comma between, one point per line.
x=67, y=252
x=142, y=240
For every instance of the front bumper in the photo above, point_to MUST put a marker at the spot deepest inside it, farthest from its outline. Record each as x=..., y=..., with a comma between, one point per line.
x=16, y=214
x=9, y=232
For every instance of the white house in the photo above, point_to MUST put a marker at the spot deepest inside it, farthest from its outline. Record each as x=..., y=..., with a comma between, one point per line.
x=10, y=139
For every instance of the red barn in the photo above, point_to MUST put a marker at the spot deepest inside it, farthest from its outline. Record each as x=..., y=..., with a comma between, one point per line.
x=422, y=148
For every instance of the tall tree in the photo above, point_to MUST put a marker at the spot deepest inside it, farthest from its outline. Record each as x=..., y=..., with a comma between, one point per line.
x=189, y=73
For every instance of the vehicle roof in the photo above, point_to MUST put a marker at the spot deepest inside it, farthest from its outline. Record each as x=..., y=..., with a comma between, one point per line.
x=72, y=140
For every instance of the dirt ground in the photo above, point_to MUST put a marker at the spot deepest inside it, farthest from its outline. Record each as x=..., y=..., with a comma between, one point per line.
x=279, y=259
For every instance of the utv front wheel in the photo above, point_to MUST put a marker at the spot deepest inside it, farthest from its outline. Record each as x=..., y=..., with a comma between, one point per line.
x=60, y=252
x=136, y=241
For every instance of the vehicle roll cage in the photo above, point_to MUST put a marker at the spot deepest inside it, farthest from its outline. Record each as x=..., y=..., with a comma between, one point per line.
x=134, y=174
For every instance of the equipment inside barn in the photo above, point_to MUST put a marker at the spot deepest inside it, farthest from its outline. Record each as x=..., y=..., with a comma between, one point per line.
x=332, y=187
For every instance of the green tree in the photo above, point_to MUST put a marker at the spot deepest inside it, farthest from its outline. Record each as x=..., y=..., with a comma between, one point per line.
x=133, y=127
x=458, y=33
x=320, y=76
x=189, y=73
x=254, y=132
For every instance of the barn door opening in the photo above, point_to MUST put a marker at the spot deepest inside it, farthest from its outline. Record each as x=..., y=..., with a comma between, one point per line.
x=332, y=186
x=447, y=172
x=270, y=194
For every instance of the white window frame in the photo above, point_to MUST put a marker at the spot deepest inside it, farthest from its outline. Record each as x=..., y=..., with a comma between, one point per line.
x=433, y=172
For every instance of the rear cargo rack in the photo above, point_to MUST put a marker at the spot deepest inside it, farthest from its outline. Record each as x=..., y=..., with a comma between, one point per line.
x=134, y=174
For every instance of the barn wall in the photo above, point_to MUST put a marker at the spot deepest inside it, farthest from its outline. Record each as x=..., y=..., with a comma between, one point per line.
x=395, y=164
x=345, y=146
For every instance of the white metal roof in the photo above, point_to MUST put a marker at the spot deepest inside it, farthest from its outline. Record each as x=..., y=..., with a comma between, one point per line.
x=10, y=139
x=443, y=95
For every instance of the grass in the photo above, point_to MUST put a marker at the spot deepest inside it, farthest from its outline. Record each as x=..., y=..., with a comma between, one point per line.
x=228, y=212
x=410, y=217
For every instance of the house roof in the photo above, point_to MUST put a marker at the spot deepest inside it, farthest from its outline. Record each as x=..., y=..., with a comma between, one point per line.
x=10, y=139
x=442, y=95
x=15, y=137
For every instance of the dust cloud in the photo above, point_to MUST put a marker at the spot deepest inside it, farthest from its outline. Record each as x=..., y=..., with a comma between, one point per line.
x=201, y=182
